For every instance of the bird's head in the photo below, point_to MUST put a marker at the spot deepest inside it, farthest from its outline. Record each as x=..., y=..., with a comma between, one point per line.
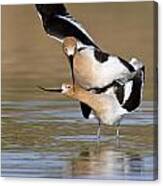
x=68, y=89
x=70, y=48
x=72, y=91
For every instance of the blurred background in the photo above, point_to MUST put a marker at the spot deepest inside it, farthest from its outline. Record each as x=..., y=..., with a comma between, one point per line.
x=31, y=58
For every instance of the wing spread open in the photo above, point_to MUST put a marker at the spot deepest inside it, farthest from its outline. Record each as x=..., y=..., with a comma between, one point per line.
x=58, y=23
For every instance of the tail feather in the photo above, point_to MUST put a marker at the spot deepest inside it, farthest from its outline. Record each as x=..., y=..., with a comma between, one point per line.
x=137, y=64
x=135, y=97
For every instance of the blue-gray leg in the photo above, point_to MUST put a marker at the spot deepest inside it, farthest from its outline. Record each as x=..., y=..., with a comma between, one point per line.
x=98, y=130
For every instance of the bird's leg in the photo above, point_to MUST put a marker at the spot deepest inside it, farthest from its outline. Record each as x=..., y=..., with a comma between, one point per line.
x=98, y=130
x=118, y=136
x=118, y=132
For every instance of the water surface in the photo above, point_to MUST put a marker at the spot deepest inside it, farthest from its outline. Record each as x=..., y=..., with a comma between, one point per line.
x=51, y=139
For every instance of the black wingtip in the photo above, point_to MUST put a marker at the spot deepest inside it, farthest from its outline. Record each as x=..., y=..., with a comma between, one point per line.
x=51, y=9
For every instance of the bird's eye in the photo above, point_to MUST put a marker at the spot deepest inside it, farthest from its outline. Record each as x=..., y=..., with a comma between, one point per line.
x=66, y=49
x=68, y=86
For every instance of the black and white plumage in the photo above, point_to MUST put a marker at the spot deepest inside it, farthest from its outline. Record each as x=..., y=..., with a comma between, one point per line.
x=129, y=95
x=97, y=69
x=115, y=100
x=58, y=23
x=132, y=91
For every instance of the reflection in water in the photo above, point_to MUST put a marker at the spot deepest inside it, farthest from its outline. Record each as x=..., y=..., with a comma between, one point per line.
x=102, y=163
x=108, y=164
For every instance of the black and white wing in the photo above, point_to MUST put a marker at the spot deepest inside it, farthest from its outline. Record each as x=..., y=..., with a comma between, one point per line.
x=58, y=23
x=130, y=94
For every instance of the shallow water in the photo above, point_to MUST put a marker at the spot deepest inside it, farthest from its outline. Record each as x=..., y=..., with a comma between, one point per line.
x=51, y=139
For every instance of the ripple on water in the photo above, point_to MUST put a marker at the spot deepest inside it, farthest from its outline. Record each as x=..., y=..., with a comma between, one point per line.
x=67, y=153
x=65, y=112
x=86, y=138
